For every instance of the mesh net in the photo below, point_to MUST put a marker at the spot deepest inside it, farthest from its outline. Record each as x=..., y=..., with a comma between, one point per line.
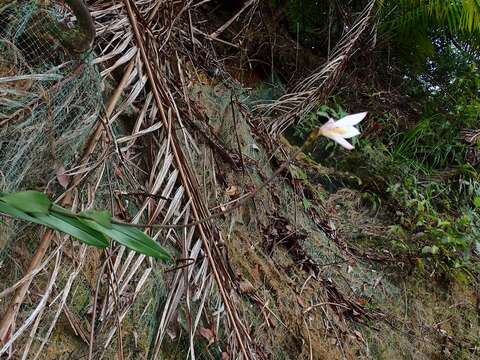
x=49, y=97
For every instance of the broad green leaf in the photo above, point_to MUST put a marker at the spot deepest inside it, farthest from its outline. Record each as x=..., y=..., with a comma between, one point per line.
x=14, y=212
x=133, y=239
x=28, y=201
x=142, y=243
x=102, y=217
x=35, y=207
x=61, y=210
x=67, y=224
x=74, y=227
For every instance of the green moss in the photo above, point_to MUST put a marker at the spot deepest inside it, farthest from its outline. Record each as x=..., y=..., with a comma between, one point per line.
x=81, y=297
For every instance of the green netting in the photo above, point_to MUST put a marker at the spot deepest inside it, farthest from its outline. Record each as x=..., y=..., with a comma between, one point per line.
x=49, y=97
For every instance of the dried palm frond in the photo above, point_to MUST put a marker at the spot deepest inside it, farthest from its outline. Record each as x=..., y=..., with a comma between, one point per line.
x=150, y=41
x=471, y=136
x=315, y=89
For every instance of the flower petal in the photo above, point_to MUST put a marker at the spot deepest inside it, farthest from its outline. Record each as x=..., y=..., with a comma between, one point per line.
x=350, y=132
x=351, y=120
x=340, y=140
x=325, y=128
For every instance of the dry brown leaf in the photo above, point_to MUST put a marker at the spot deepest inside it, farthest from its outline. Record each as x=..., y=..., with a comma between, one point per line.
x=208, y=334
x=118, y=172
x=361, y=301
x=301, y=302
x=135, y=338
x=234, y=296
x=256, y=272
x=225, y=356
x=232, y=191
x=62, y=178
x=246, y=287
x=359, y=335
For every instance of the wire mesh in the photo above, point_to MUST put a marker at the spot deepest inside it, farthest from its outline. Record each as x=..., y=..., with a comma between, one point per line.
x=49, y=97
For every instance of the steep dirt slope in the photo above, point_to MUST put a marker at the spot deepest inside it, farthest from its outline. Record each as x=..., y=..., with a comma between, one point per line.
x=315, y=276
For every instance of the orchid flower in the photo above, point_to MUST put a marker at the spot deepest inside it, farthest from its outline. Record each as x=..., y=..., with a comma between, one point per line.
x=342, y=129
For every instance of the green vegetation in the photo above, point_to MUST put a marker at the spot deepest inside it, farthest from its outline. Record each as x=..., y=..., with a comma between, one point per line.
x=225, y=126
x=91, y=227
x=421, y=162
x=411, y=24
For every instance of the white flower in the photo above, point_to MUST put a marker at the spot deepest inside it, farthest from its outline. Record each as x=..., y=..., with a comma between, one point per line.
x=342, y=129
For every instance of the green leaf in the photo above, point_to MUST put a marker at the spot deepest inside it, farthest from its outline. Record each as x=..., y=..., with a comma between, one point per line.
x=477, y=246
x=102, y=217
x=14, y=212
x=306, y=203
x=430, y=250
x=74, y=227
x=427, y=250
x=61, y=210
x=140, y=242
x=133, y=239
x=323, y=113
x=35, y=207
x=476, y=201
x=67, y=224
x=28, y=201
